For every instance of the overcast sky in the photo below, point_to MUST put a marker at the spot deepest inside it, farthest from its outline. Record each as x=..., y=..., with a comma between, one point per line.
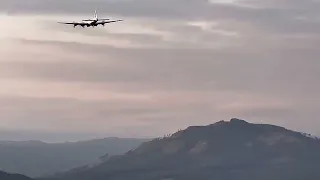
x=170, y=64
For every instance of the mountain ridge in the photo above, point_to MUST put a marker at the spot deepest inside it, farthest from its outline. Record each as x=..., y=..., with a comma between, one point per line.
x=31, y=157
x=224, y=150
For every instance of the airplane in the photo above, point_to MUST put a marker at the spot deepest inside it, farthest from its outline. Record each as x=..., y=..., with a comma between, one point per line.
x=91, y=22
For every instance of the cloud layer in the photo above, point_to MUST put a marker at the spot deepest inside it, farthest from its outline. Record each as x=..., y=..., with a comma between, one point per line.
x=169, y=65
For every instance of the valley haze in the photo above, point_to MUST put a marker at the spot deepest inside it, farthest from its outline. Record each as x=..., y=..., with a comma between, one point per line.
x=234, y=149
x=36, y=158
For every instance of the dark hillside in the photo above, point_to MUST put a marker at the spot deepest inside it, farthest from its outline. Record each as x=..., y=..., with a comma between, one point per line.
x=7, y=176
x=224, y=150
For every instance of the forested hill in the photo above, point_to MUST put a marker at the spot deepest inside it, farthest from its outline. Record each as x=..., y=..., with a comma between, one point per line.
x=226, y=150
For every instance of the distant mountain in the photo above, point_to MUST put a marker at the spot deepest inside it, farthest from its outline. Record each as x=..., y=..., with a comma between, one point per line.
x=226, y=150
x=6, y=176
x=36, y=158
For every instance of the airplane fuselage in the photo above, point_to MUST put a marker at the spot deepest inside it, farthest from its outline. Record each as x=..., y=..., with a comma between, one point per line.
x=91, y=22
x=94, y=22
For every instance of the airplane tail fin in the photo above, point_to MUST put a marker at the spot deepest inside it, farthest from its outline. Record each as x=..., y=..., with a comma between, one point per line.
x=95, y=17
x=95, y=14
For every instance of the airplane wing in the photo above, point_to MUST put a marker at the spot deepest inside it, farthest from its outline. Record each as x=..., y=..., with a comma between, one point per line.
x=95, y=19
x=105, y=22
x=75, y=23
x=112, y=21
x=88, y=20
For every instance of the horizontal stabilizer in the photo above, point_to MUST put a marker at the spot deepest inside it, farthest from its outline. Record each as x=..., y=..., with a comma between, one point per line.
x=88, y=20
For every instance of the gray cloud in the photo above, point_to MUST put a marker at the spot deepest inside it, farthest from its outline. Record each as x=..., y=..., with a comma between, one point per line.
x=196, y=69
x=279, y=15
x=162, y=8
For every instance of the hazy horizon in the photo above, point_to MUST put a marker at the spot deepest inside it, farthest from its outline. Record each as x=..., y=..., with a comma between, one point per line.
x=52, y=137
x=55, y=137
x=168, y=65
